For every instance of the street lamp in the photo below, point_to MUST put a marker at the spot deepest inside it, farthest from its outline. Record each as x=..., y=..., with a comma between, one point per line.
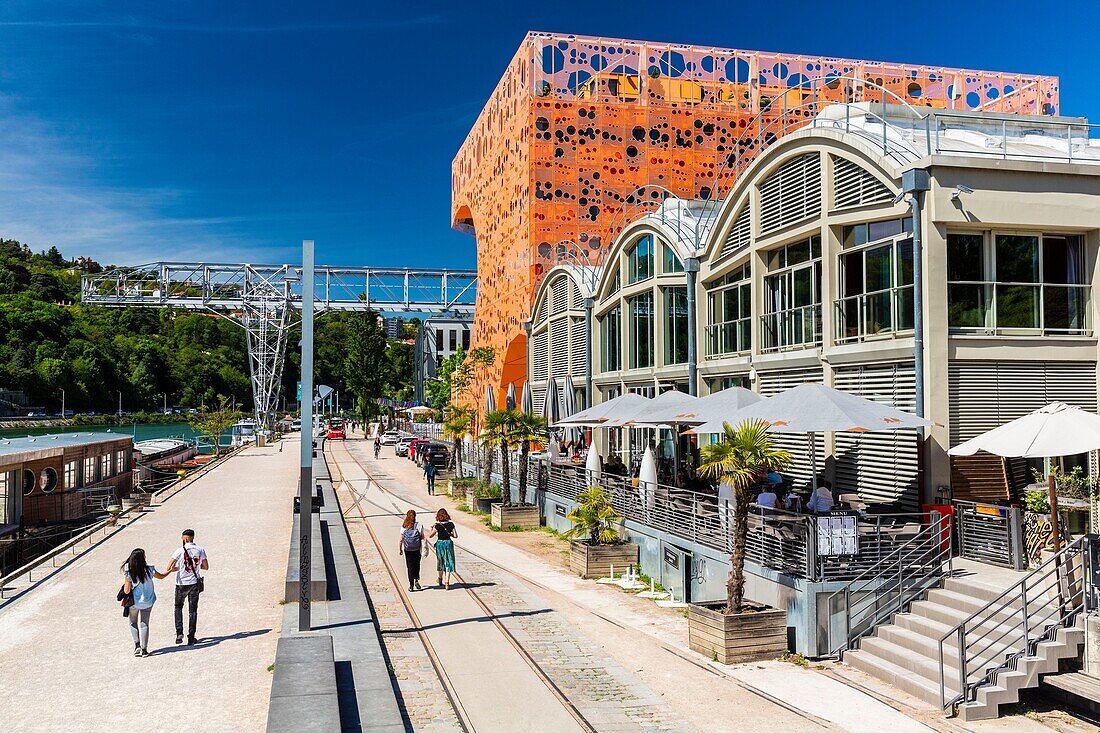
x=62, y=404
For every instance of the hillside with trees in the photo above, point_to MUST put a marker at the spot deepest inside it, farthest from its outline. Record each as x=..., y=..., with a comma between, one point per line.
x=50, y=342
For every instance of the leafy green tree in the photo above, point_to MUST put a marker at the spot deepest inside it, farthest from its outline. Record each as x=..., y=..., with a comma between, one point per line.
x=455, y=427
x=594, y=517
x=215, y=421
x=527, y=429
x=499, y=433
x=365, y=368
x=742, y=457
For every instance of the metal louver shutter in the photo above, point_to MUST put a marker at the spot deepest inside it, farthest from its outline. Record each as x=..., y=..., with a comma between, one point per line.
x=853, y=185
x=538, y=398
x=540, y=359
x=740, y=235
x=543, y=312
x=881, y=466
x=578, y=347
x=575, y=299
x=559, y=291
x=797, y=444
x=559, y=347
x=983, y=395
x=791, y=194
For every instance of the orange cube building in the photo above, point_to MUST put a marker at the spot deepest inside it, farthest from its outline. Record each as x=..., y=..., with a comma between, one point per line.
x=579, y=128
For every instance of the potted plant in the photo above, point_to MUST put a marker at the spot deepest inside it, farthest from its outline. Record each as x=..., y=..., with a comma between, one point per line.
x=525, y=430
x=485, y=497
x=457, y=424
x=595, y=544
x=738, y=630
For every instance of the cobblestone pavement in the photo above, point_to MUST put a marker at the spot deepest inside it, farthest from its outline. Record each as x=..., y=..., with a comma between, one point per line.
x=607, y=695
x=422, y=699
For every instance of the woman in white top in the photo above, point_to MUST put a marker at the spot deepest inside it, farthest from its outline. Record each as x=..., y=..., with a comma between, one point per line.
x=139, y=582
x=821, y=501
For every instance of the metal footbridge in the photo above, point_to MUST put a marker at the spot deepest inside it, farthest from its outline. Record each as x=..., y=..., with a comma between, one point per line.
x=266, y=300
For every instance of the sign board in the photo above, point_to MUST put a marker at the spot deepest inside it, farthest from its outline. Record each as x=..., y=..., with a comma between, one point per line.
x=559, y=510
x=672, y=558
x=838, y=534
x=299, y=390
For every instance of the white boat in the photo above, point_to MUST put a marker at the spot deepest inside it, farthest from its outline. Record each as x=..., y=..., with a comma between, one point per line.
x=243, y=432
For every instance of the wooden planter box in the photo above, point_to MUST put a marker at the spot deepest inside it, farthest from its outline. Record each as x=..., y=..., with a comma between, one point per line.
x=595, y=561
x=470, y=499
x=516, y=515
x=742, y=637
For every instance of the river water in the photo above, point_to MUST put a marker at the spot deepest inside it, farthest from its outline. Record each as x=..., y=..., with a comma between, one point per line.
x=140, y=431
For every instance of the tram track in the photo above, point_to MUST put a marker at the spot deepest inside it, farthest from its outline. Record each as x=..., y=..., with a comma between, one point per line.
x=441, y=673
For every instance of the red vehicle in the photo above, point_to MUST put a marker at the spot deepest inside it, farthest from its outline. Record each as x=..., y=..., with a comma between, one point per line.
x=336, y=430
x=412, y=456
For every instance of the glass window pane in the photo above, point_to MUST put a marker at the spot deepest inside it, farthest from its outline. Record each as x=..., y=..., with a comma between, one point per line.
x=877, y=230
x=676, y=325
x=879, y=268
x=852, y=273
x=1017, y=258
x=905, y=262
x=967, y=305
x=964, y=258
x=1065, y=308
x=1062, y=260
x=1017, y=306
x=641, y=330
x=803, y=287
x=798, y=253
x=672, y=262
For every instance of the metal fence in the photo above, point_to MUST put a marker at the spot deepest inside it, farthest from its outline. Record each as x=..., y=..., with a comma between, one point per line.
x=991, y=533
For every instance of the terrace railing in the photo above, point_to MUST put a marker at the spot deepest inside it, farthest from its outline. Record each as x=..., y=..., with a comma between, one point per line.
x=991, y=534
x=780, y=540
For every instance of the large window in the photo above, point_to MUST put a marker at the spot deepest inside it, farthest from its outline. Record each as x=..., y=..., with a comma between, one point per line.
x=792, y=291
x=6, y=499
x=676, y=325
x=672, y=263
x=89, y=471
x=876, y=280
x=730, y=313
x=640, y=310
x=611, y=340
x=105, y=465
x=639, y=260
x=120, y=461
x=1017, y=283
x=71, y=480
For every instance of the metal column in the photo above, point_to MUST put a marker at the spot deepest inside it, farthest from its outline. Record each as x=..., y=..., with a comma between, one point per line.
x=691, y=270
x=305, y=487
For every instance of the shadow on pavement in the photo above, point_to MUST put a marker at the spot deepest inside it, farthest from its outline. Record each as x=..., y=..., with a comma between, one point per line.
x=209, y=641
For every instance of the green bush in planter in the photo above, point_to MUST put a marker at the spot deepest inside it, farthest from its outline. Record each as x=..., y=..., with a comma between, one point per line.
x=486, y=490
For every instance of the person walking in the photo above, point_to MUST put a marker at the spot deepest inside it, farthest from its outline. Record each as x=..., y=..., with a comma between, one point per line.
x=445, y=530
x=429, y=473
x=187, y=562
x=139, y=582
x=412, y=543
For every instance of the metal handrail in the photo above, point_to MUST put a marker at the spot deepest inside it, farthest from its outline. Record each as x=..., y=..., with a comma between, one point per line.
x=895, y=325
x=778, y=326
x=991, y=295
x=931, y=544
x=1027, y=598
x=716, y=344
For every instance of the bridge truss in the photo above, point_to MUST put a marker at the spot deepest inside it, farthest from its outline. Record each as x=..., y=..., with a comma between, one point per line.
x=266, y=301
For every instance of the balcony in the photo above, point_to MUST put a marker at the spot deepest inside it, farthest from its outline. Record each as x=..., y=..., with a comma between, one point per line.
x=792, y=328
x=1022, y=309
x=728, y=338
x=882, y=313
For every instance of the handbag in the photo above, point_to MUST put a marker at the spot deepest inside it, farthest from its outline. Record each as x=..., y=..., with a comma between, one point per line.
x=192, y=567
x=126, y=598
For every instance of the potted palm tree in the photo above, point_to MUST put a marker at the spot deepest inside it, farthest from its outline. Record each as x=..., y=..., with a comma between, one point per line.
x=737, y=630
x=526, y=429
x=595, y=544
x=455, y=427
x=497, y=434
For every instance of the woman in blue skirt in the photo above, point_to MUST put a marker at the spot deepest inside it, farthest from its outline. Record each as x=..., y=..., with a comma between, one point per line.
x=445, y=530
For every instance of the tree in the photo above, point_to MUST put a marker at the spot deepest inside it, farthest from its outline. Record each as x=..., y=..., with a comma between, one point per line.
x=214, y=422
x=464, y=384
x=528, y=429
x=742, y=458
x=438, y=391
x=594, y=517
x=365, y=366
x=456, y=426
x=499, y=431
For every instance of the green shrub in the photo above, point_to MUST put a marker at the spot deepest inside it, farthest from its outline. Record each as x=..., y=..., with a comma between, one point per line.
x=594, y=517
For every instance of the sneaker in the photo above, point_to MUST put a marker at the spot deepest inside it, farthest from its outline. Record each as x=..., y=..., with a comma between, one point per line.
x=144, y=653
x=179, y=638
x=191, y=641
x=418, y=585
x=137, y=651
x=411, y=589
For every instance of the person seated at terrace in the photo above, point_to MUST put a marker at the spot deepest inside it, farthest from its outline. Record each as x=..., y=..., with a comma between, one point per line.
x=615, y=465
x=822, y=499
x=767, y=498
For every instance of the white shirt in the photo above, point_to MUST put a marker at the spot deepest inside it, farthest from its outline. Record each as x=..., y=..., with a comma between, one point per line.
x=821, y=501
x=183, y=575
x=766, y=499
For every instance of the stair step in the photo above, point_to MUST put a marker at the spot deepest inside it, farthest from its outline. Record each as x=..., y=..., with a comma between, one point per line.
x=974, y=586
x=895, y=675
x=916, y=664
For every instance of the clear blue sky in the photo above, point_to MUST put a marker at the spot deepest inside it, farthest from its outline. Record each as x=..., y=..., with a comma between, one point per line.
x=194, y=129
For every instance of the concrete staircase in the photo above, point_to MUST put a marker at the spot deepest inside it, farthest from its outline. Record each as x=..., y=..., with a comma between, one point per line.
x=906, y=652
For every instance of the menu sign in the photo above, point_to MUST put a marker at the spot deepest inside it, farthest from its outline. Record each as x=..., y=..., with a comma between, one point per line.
x=838, y=534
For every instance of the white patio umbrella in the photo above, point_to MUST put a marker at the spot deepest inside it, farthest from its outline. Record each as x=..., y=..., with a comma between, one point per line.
x=419, y=410
x=550, y=408
x=490, y=398
x=510, y=398
x=717, y=405
x=647, y=475
x=525, y=401
x=598, y=414
x=815, y=408
x=592, y=465
x=1055, y=430
x=660, y=410
x=569, y=405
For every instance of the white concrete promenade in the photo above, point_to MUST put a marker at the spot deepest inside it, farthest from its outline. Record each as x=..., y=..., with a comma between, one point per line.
x=66, y=656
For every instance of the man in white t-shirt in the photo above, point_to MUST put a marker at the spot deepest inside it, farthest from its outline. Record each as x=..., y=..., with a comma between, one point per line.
x=188, y=562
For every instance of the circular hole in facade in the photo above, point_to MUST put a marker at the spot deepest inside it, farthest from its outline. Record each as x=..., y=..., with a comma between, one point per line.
x=28, y=481
x=47, y=479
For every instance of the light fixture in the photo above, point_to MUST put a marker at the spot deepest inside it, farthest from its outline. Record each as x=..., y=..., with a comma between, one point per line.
x=959, y=191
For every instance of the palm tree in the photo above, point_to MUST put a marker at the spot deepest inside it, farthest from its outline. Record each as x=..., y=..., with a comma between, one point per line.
x=455, y=427
x=497, y=432
x=528, y=429
x=742, y=458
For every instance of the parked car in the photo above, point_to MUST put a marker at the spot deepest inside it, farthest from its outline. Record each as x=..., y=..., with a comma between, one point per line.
x=389, y=437
x=437, y=453
x=401, y=448
x=413, y=447
x=295, y=425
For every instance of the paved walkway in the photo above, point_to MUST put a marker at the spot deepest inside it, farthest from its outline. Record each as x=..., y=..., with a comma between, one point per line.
x=66, y=657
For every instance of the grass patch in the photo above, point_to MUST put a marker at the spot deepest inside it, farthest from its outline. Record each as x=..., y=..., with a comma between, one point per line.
x=796, y=659
x=643, y=578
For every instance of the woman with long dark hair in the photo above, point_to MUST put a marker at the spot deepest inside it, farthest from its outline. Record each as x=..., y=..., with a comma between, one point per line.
x=444, y=546
x=139, y=581
x=412, y=541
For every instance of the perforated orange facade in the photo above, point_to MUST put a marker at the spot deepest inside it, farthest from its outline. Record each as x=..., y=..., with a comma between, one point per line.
x=577, y=125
